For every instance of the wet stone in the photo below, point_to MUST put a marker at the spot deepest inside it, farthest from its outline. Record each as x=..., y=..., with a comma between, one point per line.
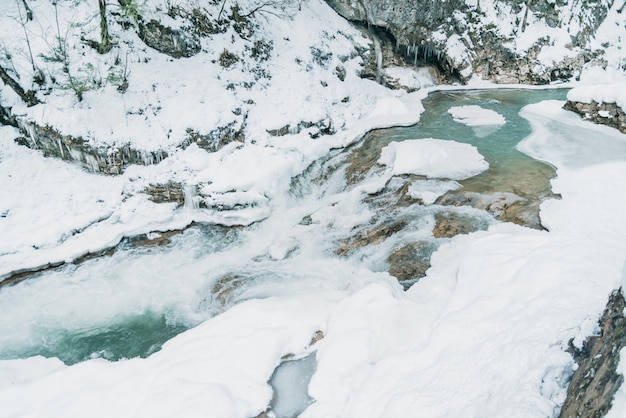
x=507, y=207
x=224, y=288
x=411, y=261
x=609, y=114
x=449, y=224
x=153, y=239
x=395, y=194
x=370, y=236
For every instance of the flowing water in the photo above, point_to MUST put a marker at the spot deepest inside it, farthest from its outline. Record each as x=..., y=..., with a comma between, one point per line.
x=339, y=214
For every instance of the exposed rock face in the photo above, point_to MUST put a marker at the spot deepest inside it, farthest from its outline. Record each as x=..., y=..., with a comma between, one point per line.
x=608, y=114
x=108, y=160
x=167, y=193
x=408, y=21
x=595, y=382
x=169, y=41
x=460, y=40
x=215, y=139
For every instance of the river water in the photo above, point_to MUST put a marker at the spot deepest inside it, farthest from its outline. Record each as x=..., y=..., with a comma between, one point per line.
x=337, y=216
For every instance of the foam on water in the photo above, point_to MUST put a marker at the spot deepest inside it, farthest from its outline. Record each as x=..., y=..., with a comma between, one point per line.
x=114, y=307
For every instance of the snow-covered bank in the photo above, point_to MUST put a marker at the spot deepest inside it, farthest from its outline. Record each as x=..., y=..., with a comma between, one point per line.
x=164, y=101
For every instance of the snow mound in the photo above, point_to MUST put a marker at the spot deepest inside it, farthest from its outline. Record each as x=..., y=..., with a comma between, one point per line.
x=476, y=116
x=607, y=93
x=434, y=158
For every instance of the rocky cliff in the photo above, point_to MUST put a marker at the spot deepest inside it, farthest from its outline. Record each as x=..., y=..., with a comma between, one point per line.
x=507, y=41
x=596, y=380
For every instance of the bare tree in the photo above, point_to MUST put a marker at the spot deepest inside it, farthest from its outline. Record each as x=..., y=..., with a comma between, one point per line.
x=29, y=16
x=278, y=8
x=105, y=43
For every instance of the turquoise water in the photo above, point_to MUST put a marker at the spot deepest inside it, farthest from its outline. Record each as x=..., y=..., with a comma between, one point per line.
x=122, y=306
x=135, y=336
x=510, y=170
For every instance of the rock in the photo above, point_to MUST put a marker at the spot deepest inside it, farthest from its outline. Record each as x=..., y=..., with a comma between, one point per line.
x=426, y=34
x=314, y=129
x=217, y=138
x=105, y=159
x=317, y=336
x=411, y=261
x=609, y=114
x=449, y=224
x=595, y=382
x=172, y=42
x=507, y=207
x=166, y=193
x=370, y=236
x=223, y=289
x=109, y=159
x=152, y=239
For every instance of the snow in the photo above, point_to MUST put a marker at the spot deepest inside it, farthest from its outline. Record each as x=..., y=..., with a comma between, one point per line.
x=600, y=93
x=474, y=115
x=429, y=190
x=434, y=158
x=483, y=334
x=557, y=41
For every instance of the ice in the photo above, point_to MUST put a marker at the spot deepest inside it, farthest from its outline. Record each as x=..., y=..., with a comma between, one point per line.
x=290, y=384
x=430, y=190
x=473, y=115
x=569, y=144
x=413, y=79
x=434, y=158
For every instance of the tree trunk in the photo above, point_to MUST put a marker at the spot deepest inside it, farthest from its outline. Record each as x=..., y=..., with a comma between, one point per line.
x=28, y=96
x=29, y=12
x=105, y=44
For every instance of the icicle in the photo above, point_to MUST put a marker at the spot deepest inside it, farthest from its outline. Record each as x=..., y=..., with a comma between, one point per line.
x=60, y=145
x=190, y=195
x=379, y=57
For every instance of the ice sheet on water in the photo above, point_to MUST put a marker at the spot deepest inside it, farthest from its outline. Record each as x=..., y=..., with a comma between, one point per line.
x=564, y=139
x=473, y=115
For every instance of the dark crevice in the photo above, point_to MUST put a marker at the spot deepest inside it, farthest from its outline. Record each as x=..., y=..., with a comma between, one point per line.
x=418, y=55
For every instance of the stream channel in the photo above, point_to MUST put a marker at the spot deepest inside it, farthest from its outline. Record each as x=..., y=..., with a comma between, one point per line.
x=343, y=211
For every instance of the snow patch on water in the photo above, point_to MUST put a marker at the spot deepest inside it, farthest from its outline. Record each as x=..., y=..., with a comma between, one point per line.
x=434, y=158
x=473, y=115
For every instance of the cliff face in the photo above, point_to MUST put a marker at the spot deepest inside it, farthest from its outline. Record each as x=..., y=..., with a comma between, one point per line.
x=507, y=41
